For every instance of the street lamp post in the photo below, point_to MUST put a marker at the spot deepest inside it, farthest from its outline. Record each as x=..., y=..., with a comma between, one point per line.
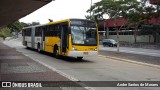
x=104, y=28
x=90, y=9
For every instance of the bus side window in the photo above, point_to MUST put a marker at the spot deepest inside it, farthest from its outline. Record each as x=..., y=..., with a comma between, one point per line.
x=47, y=31
x=28, y=32
x=57, y=31
x=46, y=34
x=40, y=31
x=36, y=31
x=23, y=32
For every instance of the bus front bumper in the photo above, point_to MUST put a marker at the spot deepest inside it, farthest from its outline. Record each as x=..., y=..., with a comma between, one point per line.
x=82, y=53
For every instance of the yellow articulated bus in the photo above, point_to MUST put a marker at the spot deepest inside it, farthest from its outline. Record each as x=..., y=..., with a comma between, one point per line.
x=72, y=37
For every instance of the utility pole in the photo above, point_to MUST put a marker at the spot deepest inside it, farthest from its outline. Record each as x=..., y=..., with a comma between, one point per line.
x=104, y=25
x=90, y=8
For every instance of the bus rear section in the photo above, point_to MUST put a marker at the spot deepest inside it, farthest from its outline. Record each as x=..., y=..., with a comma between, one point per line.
x=27, y=37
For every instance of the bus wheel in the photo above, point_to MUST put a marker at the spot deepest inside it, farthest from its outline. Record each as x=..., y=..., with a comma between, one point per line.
x=26, y=45
x=38, y=48
x=56, y=52
x=79, y=58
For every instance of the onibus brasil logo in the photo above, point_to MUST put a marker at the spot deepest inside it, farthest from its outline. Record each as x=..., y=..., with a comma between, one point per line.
x=20, y=84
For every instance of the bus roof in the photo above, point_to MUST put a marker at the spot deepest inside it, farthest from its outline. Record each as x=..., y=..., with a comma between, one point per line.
x=50, y=23
x=67, y=20
x=34, y=26
x=58, y=22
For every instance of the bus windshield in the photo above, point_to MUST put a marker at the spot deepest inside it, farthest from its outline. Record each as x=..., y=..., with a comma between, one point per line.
x=83, y=35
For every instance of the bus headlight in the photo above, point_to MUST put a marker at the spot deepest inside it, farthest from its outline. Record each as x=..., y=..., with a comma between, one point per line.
x=95, y=49
x=74, y=49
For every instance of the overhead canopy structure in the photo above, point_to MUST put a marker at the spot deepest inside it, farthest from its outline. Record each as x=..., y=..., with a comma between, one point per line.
x=12, y=10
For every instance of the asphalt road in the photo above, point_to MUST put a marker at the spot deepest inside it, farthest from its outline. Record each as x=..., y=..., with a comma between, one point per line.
x=94, y=68
x=149, y=52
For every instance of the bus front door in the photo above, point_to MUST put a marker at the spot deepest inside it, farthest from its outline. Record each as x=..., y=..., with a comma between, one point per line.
x=64, y=38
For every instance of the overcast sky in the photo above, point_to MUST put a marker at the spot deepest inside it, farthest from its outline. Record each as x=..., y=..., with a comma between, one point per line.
x=58, y=10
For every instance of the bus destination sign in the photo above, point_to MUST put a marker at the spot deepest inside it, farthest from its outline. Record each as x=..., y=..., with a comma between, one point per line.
x=83, y=23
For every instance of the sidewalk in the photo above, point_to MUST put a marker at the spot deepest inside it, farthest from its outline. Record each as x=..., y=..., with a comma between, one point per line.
x=14, y=66
x=140, y=51
x=149, y=56
x=132, y=56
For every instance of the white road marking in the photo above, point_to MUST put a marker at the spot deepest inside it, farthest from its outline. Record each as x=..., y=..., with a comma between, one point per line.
x=52, y=68
x=61, y=73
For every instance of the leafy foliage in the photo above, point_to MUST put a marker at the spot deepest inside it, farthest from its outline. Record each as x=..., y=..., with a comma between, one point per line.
x=151, y=29
x=33, y=23
x=16, y=26
x=113, y=8
x=134, y=11
x=5, y=32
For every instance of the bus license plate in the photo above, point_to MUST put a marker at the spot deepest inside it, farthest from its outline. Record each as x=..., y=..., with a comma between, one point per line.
x=85, y=53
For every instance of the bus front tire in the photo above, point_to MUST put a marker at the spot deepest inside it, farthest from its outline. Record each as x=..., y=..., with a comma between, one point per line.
x=38, y=48
x=56, y=52
x=26, y=45
x=79, y=58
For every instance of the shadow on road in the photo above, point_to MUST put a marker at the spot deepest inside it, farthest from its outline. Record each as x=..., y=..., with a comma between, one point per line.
x=134, y=57
x=64, y=58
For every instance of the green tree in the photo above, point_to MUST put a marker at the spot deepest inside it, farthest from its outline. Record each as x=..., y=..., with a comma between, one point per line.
x=156, y=7
x=16, y=26
x=134, y=11
x=114, y=9
x=151, y=11
x=153, y=30
x=96, y=13
x=29, y=24
x=33, y=23
x=24, y=24
x=5, y=32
